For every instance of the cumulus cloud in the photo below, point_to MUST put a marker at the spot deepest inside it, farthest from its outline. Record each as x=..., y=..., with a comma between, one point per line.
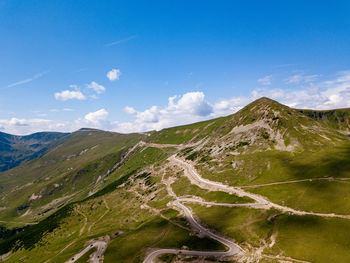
x=96, y=87
x=27, y=126
x=229, y=105
x=21, y=126
x=265, y=80
x=322, y=95
x=114, y=74
x=69, y=95
x=96, y=116
x=187, y=108
x=130, y=110
x=193, y=106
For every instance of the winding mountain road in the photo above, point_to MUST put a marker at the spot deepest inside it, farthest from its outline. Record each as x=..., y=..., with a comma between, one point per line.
x=96, y=256
x=261, y=202
x=233, y=249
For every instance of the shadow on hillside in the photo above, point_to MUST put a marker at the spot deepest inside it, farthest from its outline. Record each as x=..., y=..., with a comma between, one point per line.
x=333, y=164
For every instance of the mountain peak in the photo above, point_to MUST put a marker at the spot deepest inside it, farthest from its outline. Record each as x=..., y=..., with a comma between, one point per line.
x=266, y=102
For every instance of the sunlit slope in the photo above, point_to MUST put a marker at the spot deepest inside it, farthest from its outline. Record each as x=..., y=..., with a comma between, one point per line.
x=32, y=189
x=266, y=148
x=17, y=149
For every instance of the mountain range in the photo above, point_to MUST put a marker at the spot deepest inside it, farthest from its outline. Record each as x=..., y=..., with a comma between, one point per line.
x=268, y=183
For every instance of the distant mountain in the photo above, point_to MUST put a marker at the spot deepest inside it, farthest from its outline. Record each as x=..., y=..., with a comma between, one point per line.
x=17, y=149
x=132, y=193
x=338, y=118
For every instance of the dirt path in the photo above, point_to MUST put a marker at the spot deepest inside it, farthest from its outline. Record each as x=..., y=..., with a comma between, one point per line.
x=261, y=202
x=233, y=248
x=96, y=256
x=85, y=222
x=331, y=179
x=107, y=210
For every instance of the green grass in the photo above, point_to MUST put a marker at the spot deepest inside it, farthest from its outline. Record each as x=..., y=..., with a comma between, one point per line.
x=85, y=257
x=70, y=167
x=309, y=238
x=242, y=224
x=317, y=196
x=182, y=187
x=313, y=238
x=182, y=134
x=157, y=233
x=274, y=166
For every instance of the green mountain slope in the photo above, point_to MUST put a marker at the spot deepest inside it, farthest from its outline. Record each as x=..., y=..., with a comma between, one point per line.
x=67, y=172
x=338, y=119
x=122, y=190
x=17, y=149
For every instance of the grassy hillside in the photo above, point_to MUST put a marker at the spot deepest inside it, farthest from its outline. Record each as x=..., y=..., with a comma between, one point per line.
x=17, y=149
x=78, y=194
x=338, y=119
x=67, y=172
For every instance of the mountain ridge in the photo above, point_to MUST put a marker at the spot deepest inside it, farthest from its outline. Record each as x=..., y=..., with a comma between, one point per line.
x=125, y=189
x=15, y=149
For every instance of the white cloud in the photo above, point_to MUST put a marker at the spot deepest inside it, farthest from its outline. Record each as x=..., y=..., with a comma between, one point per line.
x=96, y=87
x=69, y=95
x=27, y=126
x=329, y=94
x=120, y=41
x=187, y=108
x=36, y=76
x=129, y=110
x=113, y=74
x=192, y=107
x=21, y=126
x=265, y=80
x=64, y=109
x=230, y=105
x=301, y=78
x=96, y=116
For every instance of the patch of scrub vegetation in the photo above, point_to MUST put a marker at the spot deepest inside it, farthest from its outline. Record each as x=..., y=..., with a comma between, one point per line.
x=193, y=156
x=133, y=246
x=182, y=187
x=161, y=200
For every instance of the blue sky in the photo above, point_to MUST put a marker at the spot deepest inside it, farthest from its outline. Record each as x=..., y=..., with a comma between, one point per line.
x=214, y=56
